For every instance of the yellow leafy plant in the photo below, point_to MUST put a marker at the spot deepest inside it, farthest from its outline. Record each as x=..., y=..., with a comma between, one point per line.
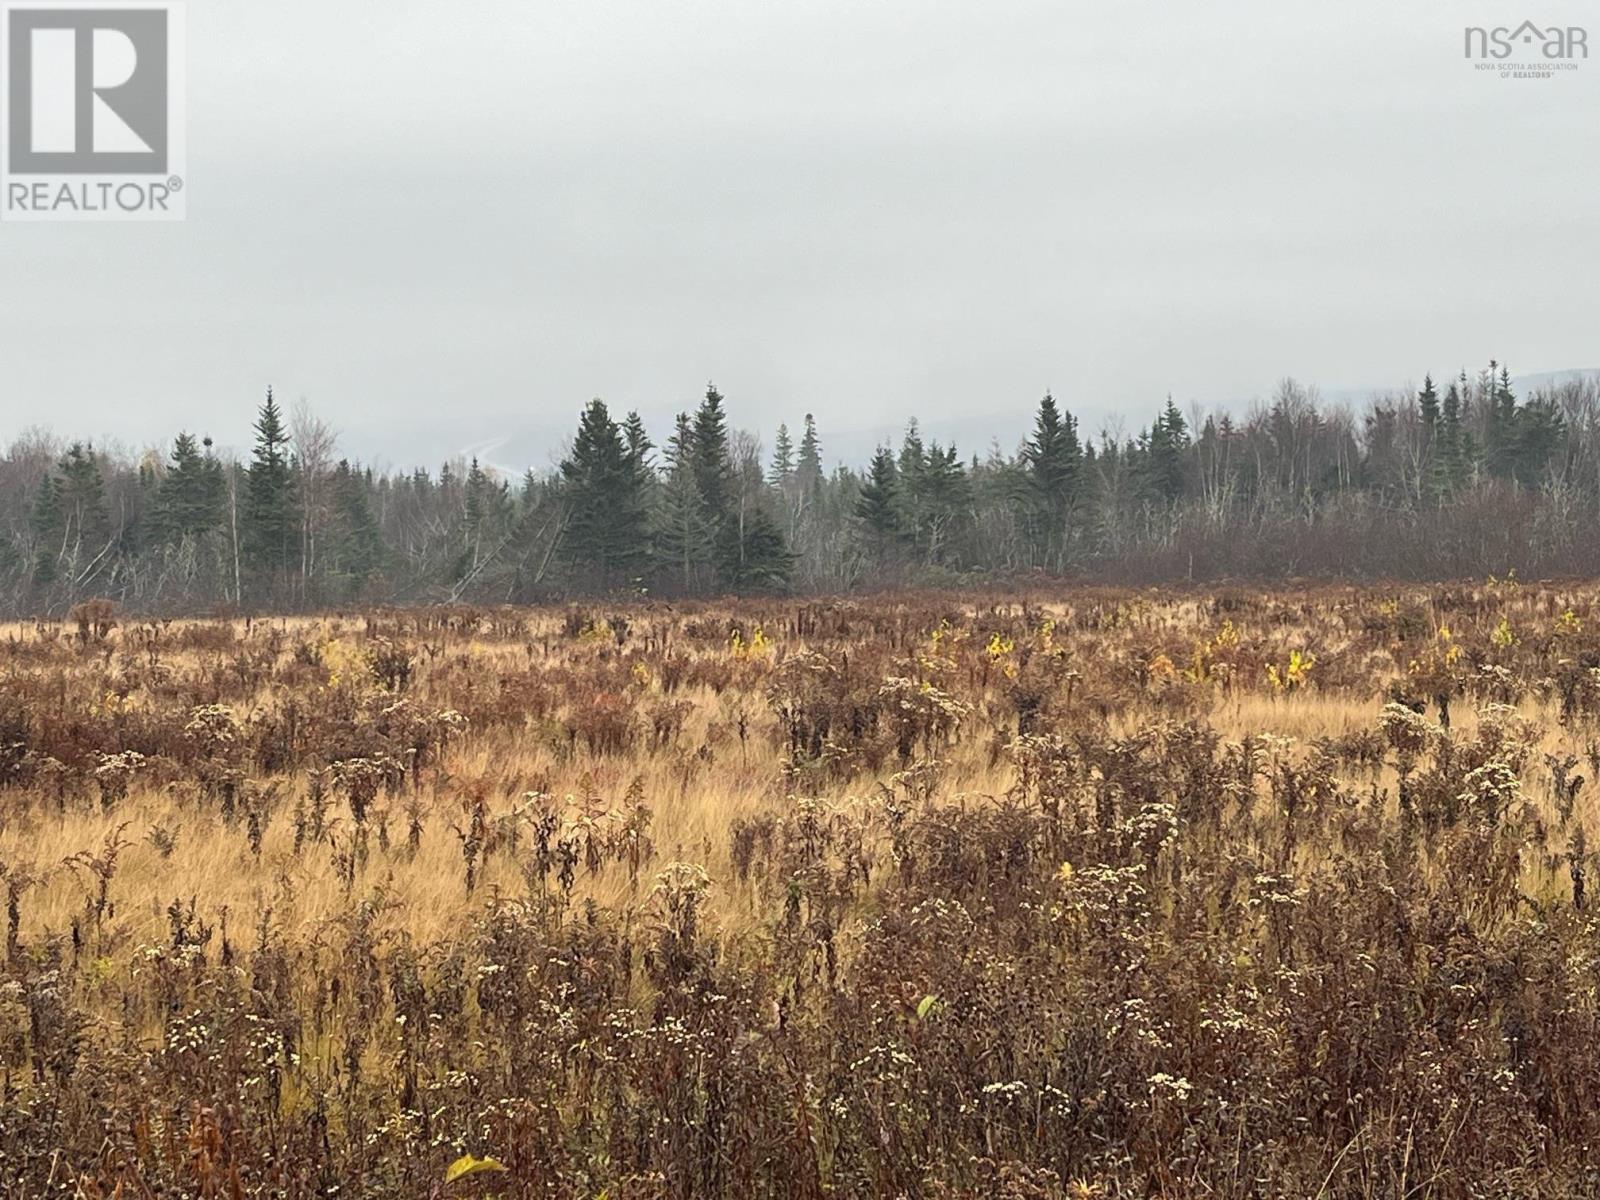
x=1294, y=674
x=756, y=647
x=469, y=1164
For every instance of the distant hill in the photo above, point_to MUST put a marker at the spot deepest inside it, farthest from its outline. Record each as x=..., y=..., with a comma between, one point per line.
x=1545, y=380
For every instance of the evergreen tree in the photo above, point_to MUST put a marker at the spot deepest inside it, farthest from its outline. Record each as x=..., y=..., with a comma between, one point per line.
x=269, y=520
x=1428, y=403
x=730, y=521
x=877, y=508
x=1500, y=450
x=605, y=537
x=47, y=532
x=947, y=501
x=71, y=523
x=761, y=561
x=81, y=495
x=476, y=502
x=808, y=471
x=782, y=459
x=681, y=539
x=1541, y=429
x=1450, y=452
x=1429, y=469
x=712, y=467
x=909, y=468
x=641, y=454
x=1165, y=451
x=189, y=497
x=639, y=445
x=358, y=544
x=1385, y=470
x=1054, y=460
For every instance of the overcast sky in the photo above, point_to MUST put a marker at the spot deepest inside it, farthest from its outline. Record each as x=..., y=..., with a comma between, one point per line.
x=449, y=225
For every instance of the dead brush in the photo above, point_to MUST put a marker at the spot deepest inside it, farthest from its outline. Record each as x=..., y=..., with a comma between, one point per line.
x=100, y=869
x=987, y=899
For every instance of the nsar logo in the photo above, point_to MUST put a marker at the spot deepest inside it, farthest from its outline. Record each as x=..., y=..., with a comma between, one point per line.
x=93, y=111
x=1557, y=41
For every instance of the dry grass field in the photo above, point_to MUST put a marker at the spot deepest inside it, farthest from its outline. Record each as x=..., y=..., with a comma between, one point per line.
x=1092, y=894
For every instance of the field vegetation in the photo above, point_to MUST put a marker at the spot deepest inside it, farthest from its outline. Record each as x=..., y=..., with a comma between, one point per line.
x=1089, y=893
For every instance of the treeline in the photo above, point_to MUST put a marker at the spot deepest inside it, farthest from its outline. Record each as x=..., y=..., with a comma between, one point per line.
x=1464, y=479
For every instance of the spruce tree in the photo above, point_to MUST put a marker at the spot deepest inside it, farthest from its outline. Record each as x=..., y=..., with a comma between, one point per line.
x=358, y=544
x=762, y=561
x=877, y=508
x=681, y=540
x=1500, y=421
x=475, y=513
x=782, y=459
x=1054, y=461
x=641, y=453
x=1428, y=403
x=1165, y=448
x=269, y=520
x=1541, y=428
x=910, y=466
x=713, y=471
x=81, y=495
x=947, y=500
x=71, y=524
x=605, y=536
x=638, y=443
x=1449, y=464
x=729, y=520
x=45, y=520
x=189, y=497
x=808, y=471
x=1429, y=470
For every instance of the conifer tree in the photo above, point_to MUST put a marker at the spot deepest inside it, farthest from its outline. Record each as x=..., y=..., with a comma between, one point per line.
x=81, y=495
x=189, y=497
x=910, y=467
x=476, y=501
x=1054, y=460
x=1428, y=403
x=681, y=540
x=731, y=524
x=46, y=522
x=713, y=469
x=1449, y=459
x=605, y=537
x=1167, y=443
x=947, y=499
x=1429, y=469
x=808, y=470
x=71, y=523
x=638, y=443
x=761, y=560
x=1540, y=430
x=269, y=520
x=1500, y=422
x=782, y=459
x=877, y=508
x=358, y=544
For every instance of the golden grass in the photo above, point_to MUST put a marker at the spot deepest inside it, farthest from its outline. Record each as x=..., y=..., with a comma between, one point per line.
x=552, y=711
